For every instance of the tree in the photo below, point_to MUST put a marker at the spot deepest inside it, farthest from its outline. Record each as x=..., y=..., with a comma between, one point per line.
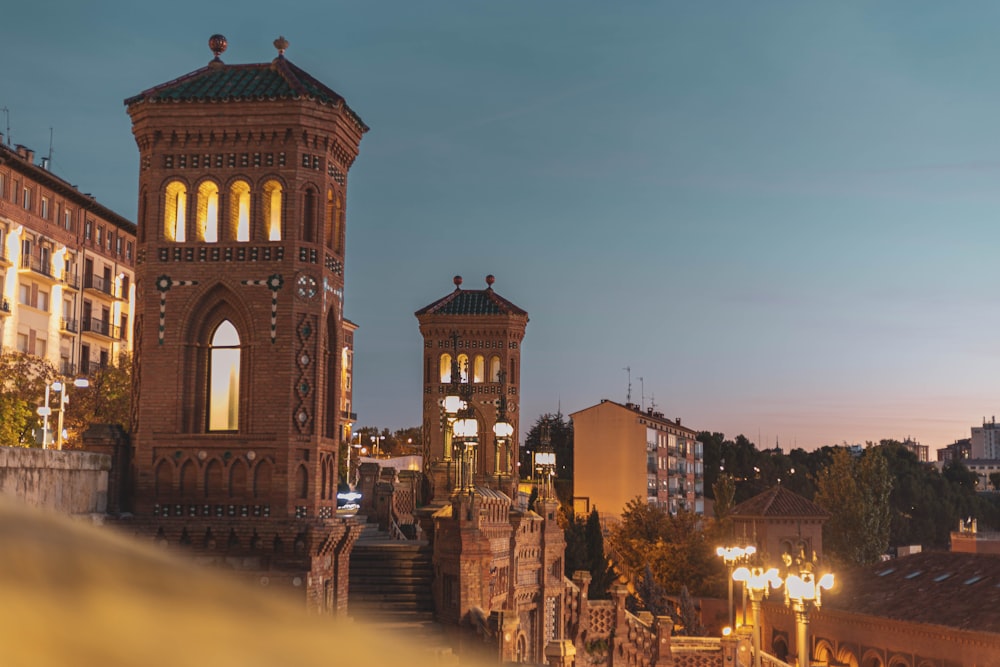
x=559, y=432
x=995, y=480
x=22, y=389
x=856, y=494
x=724, y=491
x=106, y=400
x=601, y=573
x=686, y=617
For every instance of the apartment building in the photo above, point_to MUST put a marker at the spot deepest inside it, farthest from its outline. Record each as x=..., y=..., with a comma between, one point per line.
x=621, y=452
x=66, y=266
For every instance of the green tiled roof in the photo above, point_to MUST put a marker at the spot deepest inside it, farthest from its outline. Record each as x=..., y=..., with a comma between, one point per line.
x=472, y=302
x=279, y=79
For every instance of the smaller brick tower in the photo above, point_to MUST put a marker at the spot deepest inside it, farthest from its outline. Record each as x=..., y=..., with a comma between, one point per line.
x=482, y=332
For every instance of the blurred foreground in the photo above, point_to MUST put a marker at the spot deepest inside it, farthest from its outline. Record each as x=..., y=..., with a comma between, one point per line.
x=76, y=594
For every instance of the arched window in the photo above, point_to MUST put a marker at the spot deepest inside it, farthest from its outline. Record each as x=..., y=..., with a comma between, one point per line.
x=164, y=478
x=262, y=479
x=238, y=480
x=308, y=213
x=479, y=369
x=207, y=216
x=224, y=378
x=302, y=482
x=239, y=209
x=213, y=479
x=494, y=368
x=445, y=367
x=328, y=220
x=338, y=229
x=463, y=367
x=272, y=210
x=187, y=478
x=174, y=212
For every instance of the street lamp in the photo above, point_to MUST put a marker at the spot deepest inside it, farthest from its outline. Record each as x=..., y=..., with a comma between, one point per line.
x=375, y=440
x=61, y=388
x=802, y=592
x=545, y=462
x=757, y=582
x=502, y=431
x=466, y=432
x=731, y=556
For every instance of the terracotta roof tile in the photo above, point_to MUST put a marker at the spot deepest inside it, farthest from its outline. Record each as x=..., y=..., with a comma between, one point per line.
x=472, y=302
x=279, y=79
x=778, y=501
x=957, y=590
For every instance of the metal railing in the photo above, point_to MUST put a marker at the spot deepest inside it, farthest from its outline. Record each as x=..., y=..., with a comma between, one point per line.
x=69, y=325
x=37, y=265
x=99, y=283
x=101, y=327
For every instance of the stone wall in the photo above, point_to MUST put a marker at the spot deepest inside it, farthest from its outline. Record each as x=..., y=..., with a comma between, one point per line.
x=70, y=482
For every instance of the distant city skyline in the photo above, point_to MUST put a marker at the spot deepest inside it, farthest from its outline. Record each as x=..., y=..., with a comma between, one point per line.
x=782, y=217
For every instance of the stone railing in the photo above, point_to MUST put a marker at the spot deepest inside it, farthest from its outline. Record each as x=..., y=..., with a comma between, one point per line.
x=70, y=482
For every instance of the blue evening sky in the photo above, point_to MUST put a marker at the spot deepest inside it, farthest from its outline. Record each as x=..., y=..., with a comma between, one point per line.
x=781, y=215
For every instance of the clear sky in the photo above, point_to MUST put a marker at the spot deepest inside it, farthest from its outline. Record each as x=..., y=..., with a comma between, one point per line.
x=782, y=216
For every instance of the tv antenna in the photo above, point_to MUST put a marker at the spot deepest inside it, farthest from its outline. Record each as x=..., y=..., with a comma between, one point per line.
x=6, y=113
x=628, y=394
x=642, y=393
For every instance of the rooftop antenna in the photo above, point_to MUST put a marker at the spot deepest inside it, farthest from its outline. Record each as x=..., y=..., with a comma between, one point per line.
x=628, y=394
x=49, y=162
x=652, y=402
x=6, y=113
x=642, y=393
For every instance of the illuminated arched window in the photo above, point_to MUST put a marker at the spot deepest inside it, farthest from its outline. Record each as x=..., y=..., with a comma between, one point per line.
x=174, y=212
x=208, y=212
x=338, y=229
x=272, y=210
x=494, y=368
x=224, y=378
x=445, y=367
x=328, y=220
x=478, y=369
x=239, y=209
x=463, y=367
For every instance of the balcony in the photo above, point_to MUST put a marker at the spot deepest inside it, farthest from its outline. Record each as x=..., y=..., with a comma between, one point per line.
x=100, y=284
x=349, y=416
x=101, y=328
x=67, y=368
x=69, y=326
x=37, y=266
x=4, y=259
x=71, y=280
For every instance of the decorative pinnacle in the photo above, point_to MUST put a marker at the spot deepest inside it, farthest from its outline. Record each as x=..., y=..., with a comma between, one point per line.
x=218, y=45
x=490, y=279
x=458, y=282
x=281, y=44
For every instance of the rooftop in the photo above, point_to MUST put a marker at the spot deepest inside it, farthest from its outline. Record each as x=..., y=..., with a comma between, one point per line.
x=778, y=501
x=472, y=302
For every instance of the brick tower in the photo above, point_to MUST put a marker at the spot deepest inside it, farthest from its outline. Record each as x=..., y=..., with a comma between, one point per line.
x=240, y=336
x=478, y=332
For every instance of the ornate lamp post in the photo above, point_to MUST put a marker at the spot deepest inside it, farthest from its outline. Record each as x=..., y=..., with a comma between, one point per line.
x=545, y=462
x=731, y=556
x=466, y=432
x=502, y=431
x=757, y=582
x=802, y=592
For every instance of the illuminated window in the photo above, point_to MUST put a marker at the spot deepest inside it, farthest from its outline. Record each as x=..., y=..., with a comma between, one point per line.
x=463, y=367
x=224, y=378
x=174, y=213
x=88, y=229
x=445, y=367
x=45, y=208
x=239, y=195
x=27, y=198
x=272, y=210
x=494, y=369
x=68, y=219
x=478, y=369
x=328, y=222
x=208, y=212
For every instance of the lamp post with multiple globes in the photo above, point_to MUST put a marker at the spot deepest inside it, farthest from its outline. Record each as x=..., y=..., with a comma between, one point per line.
x=731, y=556
x=757, y=581
x=802, y=592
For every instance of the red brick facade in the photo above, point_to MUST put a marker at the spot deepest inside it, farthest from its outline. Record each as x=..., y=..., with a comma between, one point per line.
x=243, y=175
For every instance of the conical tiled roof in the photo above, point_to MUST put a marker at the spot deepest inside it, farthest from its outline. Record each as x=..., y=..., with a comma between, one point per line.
x=219, y=82
x=777, y=502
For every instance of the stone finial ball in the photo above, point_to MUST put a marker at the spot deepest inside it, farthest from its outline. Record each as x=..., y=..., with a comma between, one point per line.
x=281, y=44
x=218, y=44
x=490, y=279
x=458, y=281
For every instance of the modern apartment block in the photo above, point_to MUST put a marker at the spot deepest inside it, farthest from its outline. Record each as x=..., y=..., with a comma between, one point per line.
x=986, y=440
x=66, y=266
x=621, y=452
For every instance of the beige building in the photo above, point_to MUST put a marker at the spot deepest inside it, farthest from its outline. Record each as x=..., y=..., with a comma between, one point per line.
x=66, y=267
x=621, y=452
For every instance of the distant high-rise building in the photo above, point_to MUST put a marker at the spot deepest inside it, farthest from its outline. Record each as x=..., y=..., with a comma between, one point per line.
x=986, y=440
x=66, y=269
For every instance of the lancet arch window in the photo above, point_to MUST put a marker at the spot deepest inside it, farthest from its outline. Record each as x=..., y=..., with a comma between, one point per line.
x=239, y=209
x=272, y=210
x=175, y=212
x=495, y=368
x=463, y=367
x=207, y=214
x=479, y=369
x=445, y=368
x=224, y=378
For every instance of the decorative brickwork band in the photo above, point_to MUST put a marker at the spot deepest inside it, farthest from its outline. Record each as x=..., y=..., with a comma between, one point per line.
x=274, y=282
x=164, y=283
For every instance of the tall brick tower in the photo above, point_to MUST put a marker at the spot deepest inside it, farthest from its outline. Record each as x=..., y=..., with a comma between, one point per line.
x=478, y=332
x=240, y=335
